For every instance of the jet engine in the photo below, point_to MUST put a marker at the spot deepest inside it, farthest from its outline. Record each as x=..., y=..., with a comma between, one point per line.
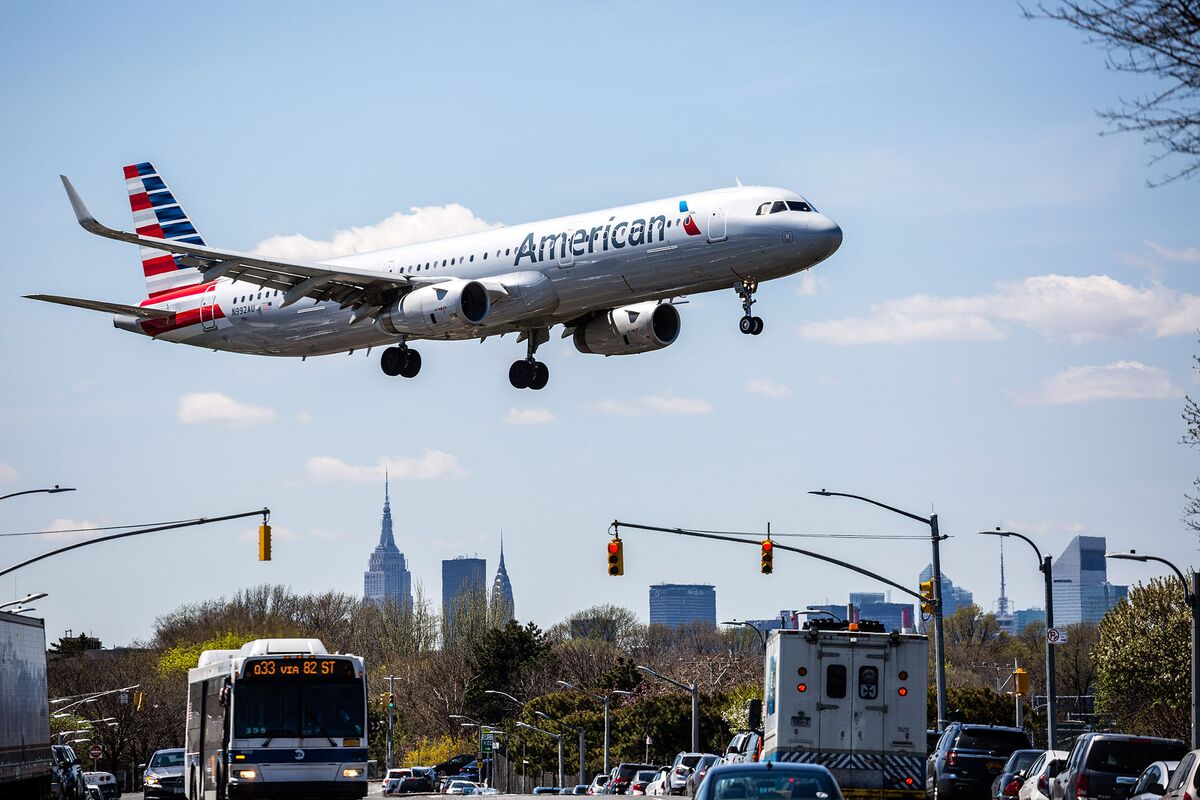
x=443, y=308
x=639, y=328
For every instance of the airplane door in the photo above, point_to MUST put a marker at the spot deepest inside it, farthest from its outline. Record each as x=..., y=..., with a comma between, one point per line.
x=208, y=309
x=716, y=225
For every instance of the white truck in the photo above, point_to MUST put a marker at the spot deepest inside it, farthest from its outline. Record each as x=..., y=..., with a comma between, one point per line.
x=851, y=697
x=25, y=759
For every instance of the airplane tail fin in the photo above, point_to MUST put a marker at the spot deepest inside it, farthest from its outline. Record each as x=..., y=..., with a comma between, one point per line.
x=157, y=213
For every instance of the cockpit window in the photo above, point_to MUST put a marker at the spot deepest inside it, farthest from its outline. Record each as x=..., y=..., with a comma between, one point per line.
x=778, y=206
x=783, y=205
x=798, y=205
x=765, y=208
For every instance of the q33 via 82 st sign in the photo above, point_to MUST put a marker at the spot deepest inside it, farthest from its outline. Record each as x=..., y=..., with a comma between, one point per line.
x=297, y=669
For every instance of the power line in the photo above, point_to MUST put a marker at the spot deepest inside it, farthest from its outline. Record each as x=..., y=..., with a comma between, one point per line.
x=774, y=535
x=107, y=528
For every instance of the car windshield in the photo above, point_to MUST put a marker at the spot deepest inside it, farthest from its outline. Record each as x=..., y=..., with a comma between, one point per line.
x=1130, y=758
x=993, y=741
x=332, y=708
x=689, y=761
x=169, y=758
x=761, y=784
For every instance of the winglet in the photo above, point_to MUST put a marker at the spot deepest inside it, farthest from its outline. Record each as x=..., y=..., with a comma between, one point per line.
x=82, y=214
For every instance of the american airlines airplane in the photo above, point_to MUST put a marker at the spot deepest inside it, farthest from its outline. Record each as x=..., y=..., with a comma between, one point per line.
x=608, y=277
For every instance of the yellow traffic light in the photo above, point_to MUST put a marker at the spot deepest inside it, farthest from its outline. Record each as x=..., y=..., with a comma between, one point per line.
x=616, y=556
x=1021, y=681
x=927, y=597
x=768, y=556
x=138, y=698
x=264, y=542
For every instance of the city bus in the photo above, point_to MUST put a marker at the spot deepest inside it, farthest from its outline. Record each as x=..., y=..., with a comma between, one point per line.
x=276, y=718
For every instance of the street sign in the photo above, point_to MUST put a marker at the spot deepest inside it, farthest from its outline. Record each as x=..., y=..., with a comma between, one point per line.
x=488, y=741
x=1056, y=635
x=95, y=752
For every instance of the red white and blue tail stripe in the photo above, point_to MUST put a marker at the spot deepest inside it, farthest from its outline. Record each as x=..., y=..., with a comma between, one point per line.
x=157, y=213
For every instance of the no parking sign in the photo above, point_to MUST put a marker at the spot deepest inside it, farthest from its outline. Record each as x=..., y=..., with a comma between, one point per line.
x=1056, y=635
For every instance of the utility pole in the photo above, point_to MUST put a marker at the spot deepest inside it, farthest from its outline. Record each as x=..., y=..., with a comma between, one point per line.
x=391, y=718
x=695, y=692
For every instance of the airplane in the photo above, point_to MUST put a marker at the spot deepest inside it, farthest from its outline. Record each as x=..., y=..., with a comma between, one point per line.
x=611, y=278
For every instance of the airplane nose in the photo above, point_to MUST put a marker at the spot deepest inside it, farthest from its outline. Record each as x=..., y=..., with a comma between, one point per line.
x=825, y=234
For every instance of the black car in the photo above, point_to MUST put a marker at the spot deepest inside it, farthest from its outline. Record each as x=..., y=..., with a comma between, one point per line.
x=1105, y=766
x=418, y=781
x=622, y=777
x=68, y=773
x=1009, y=781
x=968, y=758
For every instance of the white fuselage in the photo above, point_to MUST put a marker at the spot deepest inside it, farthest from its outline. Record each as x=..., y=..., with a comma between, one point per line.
x=590, y=262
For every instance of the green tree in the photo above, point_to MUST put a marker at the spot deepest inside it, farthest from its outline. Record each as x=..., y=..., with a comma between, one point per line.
x=975, y=704
x=1142, y=661
x=505, y=659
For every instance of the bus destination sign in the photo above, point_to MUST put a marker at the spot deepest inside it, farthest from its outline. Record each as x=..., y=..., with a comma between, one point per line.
x=298, y=668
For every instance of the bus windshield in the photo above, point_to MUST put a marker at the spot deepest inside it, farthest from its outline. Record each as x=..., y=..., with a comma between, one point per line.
x=286, y=709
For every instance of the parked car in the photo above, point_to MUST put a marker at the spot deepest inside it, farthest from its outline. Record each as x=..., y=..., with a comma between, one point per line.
x=661, y=785
x=580, y=788
x=744, y=748
x=68, y=773
x=776, y=779
x=1037, y=780
x=1106, y=765
x=1152, y=783
x=1008, y=783
x=641, y=779
x=93, y=792
x=106, y=781
x=696, y=776
x=391, y=781
x=598, y=782
x=464, y=787
x=164, y=774
x=681, y=767
x=622, y=776
x=968, y=758
x=1184, y=781
x=418, y=780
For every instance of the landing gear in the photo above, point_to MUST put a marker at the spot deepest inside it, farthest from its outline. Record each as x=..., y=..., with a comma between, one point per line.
x=529, y=373
x=400, y=360
x=748, y=324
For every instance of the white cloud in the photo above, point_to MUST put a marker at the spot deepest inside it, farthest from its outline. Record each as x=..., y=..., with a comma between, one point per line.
x=67, y=529
x=660, y=404
x=418, y=225
x=1186, y=255
x=429, y=465
x=1124, y=380
x=304, y=417
x=528, y=416
x=201, y=408
x=768, y=388
x=7, y=473
x=1057, y=307
x=810, y=285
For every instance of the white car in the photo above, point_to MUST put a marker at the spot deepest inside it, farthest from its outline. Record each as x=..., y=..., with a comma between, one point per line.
x=391, y=781
x=1041, y=772
x=461, y=787
x=106, y=782
x=661, y=785
x=1152, y=783
x=1184, y=778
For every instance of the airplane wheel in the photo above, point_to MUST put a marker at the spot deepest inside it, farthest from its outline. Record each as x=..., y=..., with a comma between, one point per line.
x=520, y=374
x=758, y=326
x=411, y=365
x=746, y=324
x=392, y=361
x=541, y=375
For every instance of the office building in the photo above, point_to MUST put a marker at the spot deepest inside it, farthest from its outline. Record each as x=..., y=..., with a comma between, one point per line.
x=464, y=582
x=1082, y=592
x=387, y=578
x=1028, y=616
x=679, y=604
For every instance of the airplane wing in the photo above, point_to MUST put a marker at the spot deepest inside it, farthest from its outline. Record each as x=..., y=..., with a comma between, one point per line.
x=346, y=285
x=100, y=305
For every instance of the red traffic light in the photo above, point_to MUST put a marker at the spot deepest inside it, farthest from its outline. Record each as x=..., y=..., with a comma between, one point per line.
x=613, y=547
x=767, y=544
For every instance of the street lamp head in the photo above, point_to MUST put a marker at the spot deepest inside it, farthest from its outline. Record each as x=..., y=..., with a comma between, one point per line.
x=542, y=715
x=1132, y=555
x=564, y=683
x=58, y=489
x=622, y=691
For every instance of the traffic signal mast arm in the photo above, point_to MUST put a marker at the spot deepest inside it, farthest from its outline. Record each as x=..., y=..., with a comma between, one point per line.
x=617, y=525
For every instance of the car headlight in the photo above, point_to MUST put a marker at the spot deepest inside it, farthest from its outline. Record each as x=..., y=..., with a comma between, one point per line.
x=247, y=774
x=351, y=772
x=151, y=780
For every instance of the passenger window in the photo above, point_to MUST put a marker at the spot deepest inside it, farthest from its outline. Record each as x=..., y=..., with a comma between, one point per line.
x=485, y=256
x=778, y=206
x=472, y=261
x=868, y=683
x=451, y=262
x=835, y=680
x=798, y=205
x=668, y=223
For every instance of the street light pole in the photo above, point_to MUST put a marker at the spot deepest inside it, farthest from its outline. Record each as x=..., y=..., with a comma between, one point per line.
x=582, y=767
x=1046, y=565
x=939, y=644
x=695, y=692
x=603, y=698
x=1191, y=595
x=560, y=748
x=761, y=638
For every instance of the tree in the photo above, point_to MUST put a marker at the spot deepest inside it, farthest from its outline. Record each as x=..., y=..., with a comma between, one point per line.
x=504, y=659
x=1191, y=437
x=1142, y=661
x=1156, y=38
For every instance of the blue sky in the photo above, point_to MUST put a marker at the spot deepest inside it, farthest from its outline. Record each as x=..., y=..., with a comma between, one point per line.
x=1005, y=336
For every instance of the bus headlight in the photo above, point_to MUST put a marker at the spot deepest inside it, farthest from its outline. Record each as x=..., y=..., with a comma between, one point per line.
x=247, y=774
x=351, y=772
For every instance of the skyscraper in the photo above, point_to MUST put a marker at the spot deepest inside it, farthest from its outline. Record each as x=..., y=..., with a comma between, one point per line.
x=679, y=604
x=1082, y=592
x=387, y=577
x=464, y=581
x=502, y=607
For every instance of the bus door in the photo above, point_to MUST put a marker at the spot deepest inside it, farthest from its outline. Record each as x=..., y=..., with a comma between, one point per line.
x=869, y=698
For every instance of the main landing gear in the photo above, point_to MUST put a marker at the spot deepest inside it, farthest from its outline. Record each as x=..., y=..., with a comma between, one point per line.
x=748, y=324
x=400, y=360
x=530, y=373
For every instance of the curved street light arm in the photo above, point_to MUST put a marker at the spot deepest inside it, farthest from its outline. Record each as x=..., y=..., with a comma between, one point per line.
x=901, y=512
x=1020, y=536
x=1133, y=556
x=55, y=490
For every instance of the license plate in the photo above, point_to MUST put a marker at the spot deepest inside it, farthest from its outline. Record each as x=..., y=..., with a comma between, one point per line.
x=177, y=789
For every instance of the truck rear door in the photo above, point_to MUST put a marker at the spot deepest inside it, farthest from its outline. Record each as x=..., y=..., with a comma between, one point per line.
x=869, y=698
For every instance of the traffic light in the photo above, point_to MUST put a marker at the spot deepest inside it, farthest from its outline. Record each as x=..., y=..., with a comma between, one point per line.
x=389, y=701
x=927, y=597
x=768, y=556
x=264, y=542
x=616, y=556
x=1021, y=681
x=138, y=698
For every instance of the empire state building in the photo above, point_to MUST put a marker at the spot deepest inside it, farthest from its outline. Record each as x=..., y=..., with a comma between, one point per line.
x=387, y=577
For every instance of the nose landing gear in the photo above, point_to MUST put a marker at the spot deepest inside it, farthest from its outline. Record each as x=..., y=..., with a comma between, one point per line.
x=400, y=360
x=748, y=324
x=529, y=373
